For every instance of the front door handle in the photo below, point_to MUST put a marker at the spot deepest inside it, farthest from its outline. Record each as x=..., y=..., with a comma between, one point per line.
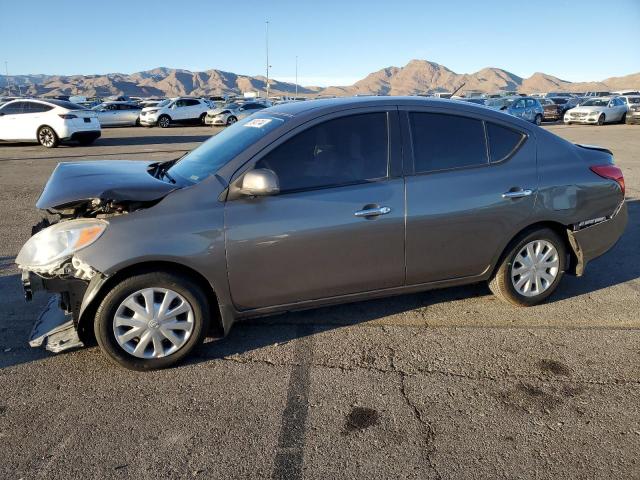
x=372, y=212
x=517, y=193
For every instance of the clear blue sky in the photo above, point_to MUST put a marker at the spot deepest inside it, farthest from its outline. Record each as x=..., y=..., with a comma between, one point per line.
x=337, y=42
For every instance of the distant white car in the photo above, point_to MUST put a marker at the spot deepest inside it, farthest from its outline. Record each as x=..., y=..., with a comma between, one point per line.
x=175, y=110
x=47, y=122
x=599, y=110
x=232, y=112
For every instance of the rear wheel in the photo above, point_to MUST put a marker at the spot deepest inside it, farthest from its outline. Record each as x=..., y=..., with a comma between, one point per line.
x=164, y=121
x=601, y=119
x=47, y=137
x=152, y=320
x=538, y=119
x=531, y=269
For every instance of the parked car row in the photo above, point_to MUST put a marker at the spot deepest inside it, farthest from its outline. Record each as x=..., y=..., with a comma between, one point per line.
x=569, y=109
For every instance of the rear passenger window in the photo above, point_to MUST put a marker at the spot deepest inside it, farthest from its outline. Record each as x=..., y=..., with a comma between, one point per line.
x=337, y=152
x=503, y=142
x=442, y=142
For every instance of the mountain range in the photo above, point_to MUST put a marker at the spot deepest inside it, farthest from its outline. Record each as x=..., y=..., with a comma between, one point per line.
x=416, y=77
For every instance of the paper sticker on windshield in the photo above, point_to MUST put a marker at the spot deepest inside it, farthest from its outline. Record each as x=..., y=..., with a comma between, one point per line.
x=257, y=122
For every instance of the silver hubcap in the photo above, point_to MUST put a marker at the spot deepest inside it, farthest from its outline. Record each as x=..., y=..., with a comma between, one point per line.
x=164, y=122
x=534, y=268
x=153, y=323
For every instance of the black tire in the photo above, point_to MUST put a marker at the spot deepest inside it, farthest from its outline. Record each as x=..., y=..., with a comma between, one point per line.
x=181, y=284
x=231, y=120
x=623, y=119
x=538, y=119
x=137, y=124
x=164, y=121
x=202, y=118
x=501, y=283
x=601, y=119
x=47, y=137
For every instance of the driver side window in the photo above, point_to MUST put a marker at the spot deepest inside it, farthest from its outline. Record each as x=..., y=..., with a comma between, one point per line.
x=337, y=152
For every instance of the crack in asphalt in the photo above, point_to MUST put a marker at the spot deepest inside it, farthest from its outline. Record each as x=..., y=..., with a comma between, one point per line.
x=429, y=431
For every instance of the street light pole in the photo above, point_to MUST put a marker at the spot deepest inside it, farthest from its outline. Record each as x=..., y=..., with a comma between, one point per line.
x=296, y=77
x=267, y=45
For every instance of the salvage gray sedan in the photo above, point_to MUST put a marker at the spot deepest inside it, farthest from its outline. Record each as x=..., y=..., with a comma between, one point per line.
x=308, y=204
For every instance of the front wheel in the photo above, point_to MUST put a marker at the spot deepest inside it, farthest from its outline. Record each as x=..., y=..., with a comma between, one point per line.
x=202, y=119
x=164, y=121
x=47, y=137
x=231, y=120
x=531, y=269
x=601, y=119
x=623, y=119
x=152, y=320
x=538, y=119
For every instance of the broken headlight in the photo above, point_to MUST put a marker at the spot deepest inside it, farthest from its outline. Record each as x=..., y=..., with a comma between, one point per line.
x=58, y=242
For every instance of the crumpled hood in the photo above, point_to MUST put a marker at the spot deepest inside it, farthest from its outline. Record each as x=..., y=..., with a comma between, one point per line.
x=117, y=180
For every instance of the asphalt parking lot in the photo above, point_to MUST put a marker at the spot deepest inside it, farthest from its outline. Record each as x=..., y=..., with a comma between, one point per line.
x=442, y=384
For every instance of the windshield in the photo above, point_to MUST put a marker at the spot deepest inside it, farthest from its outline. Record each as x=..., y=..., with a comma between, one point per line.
x=596, y=102
x=213, y=154
x=164, y=103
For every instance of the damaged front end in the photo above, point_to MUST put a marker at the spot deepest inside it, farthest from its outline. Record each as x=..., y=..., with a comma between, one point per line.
x=48, y=263
x=79, y=200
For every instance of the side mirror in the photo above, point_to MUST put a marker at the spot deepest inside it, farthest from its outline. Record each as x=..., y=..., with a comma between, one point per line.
x=259, y=183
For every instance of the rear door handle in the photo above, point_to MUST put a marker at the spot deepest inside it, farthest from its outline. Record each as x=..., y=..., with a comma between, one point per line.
x=372, y=212
x=517, y=193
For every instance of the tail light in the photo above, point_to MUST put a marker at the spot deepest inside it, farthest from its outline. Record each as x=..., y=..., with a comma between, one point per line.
x=67, y=116
x=611, y=172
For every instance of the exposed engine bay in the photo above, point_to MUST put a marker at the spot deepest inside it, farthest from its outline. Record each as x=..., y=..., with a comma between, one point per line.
x=77, y=203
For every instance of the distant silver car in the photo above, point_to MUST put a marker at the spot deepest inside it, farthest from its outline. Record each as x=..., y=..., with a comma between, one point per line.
x=308, y=204
x=118, y=114
x=526, y=108
x=232, y=112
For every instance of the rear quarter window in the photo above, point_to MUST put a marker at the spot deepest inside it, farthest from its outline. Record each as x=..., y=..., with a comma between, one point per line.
x=443, y=142
x=503, y=142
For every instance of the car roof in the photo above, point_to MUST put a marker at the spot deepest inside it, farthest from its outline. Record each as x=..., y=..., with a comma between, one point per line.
x=319, y=107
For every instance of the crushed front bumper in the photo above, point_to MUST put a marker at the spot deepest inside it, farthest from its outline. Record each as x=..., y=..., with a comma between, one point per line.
x=56, y=326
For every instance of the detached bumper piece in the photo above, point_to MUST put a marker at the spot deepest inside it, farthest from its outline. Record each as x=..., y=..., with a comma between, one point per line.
x=596, y=238
x=55, y=329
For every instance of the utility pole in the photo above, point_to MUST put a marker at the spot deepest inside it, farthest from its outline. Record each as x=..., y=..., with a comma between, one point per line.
x=6, y=78
x=267, y=45
x=296, y=77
